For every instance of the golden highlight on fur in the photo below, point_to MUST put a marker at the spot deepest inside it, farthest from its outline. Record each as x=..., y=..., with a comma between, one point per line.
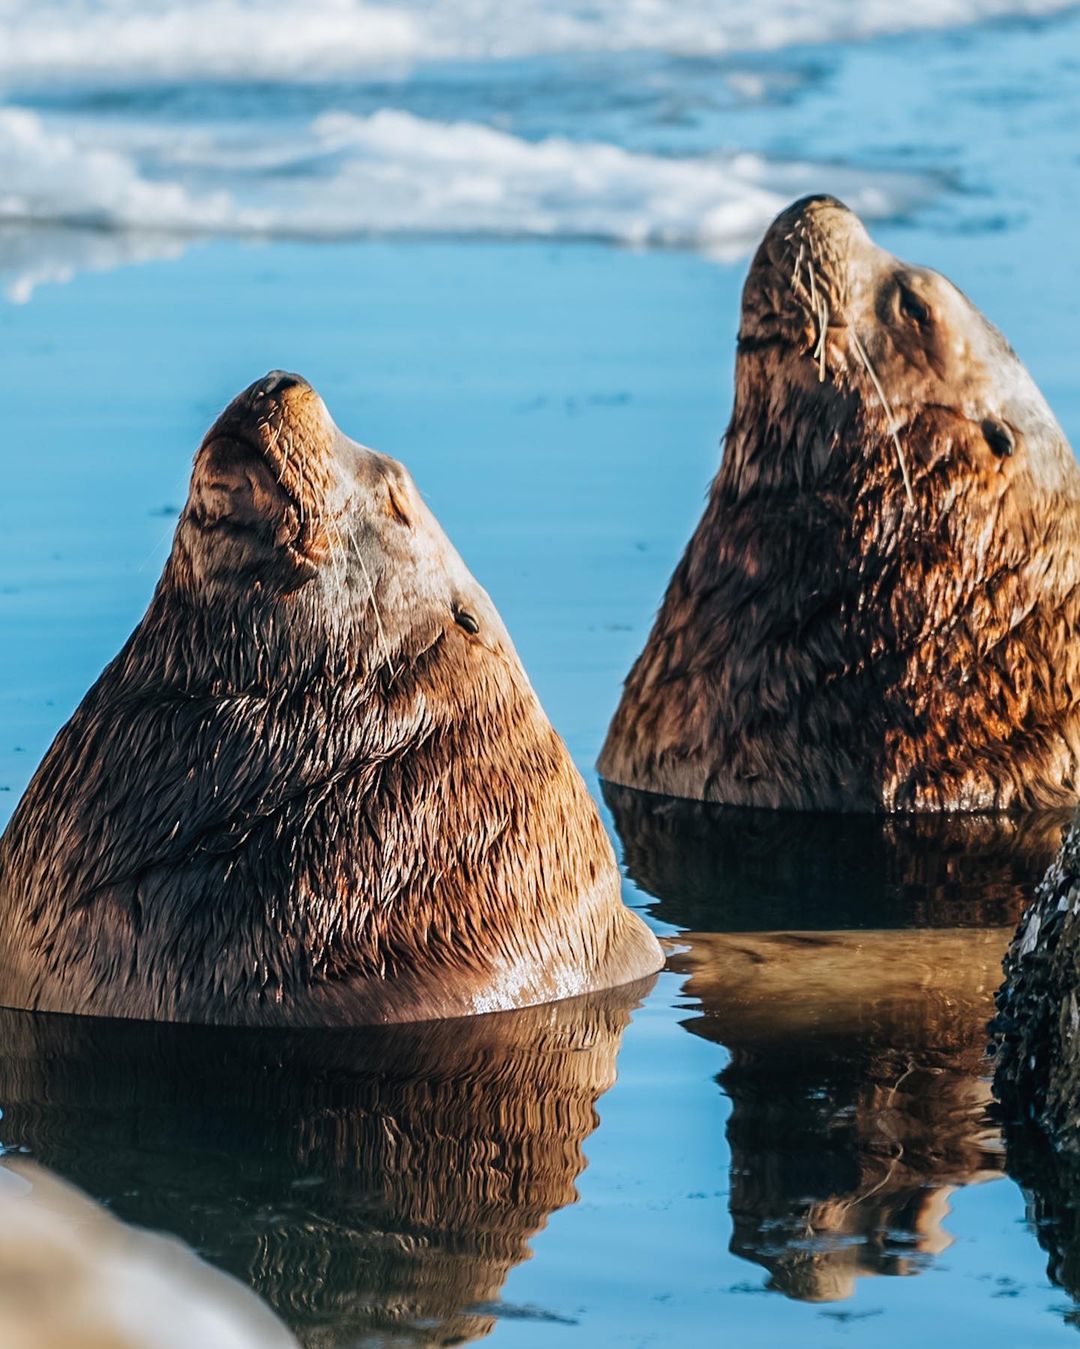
x=315, y=786
x=879, y=610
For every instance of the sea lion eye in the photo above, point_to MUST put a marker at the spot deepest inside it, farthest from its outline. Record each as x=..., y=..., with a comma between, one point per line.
x=911, y=306
x=999, y=437
x=465, y=620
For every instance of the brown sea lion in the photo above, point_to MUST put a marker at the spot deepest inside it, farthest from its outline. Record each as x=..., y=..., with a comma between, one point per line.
x=315, y=786
x=880, y=609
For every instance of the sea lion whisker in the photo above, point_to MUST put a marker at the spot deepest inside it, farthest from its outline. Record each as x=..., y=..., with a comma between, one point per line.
x=819, y=307
x=798, y=285
x=861, y=352
x=274, y=432
x=162, y=538
x=821, y=339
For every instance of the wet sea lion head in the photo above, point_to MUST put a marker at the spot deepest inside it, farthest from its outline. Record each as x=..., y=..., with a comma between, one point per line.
x=879, y=607
x=887, y=364
x=285, y=508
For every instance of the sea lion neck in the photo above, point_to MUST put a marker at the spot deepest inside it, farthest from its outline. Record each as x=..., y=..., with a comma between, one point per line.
x=787, y=435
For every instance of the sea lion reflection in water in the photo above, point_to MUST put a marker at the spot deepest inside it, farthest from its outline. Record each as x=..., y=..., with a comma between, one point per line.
x=315, y=787
x=855, y=1011
x=880, y=608
x=374, y=1186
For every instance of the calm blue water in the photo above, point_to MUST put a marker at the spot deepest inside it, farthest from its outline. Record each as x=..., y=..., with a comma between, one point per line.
x=826, y=1177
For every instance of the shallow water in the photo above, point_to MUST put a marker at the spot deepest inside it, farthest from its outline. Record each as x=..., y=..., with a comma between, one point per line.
x=800, y=1112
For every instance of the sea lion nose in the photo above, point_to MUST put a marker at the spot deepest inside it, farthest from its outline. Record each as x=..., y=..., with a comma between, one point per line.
x=278, y=382
x=817, y=212
x=275, y=383
x=822, y=222
x=816, y=199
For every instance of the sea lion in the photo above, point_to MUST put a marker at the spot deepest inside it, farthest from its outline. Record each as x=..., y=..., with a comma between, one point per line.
x=880, y=608
x=315, y=786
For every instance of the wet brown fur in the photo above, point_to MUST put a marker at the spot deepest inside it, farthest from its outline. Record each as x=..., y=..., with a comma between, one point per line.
x=825, y=643
x=307, y=791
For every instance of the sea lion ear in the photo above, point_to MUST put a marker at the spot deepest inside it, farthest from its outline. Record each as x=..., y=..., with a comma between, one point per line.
x=1000, y=437
x=466, y=619
x=233, y=487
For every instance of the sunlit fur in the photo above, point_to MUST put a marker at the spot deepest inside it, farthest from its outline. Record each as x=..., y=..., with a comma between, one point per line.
x=827, y=641
x=315, y=786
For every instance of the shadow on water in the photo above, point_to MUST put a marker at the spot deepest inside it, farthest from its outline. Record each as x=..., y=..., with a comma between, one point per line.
x=374, y=1186
x=849, y=966
x=717, y=868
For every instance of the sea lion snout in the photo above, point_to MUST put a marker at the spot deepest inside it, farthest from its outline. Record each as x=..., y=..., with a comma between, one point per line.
x=278, y=414
x=274, y=463
x=820, y=213
x=282, y=418
x=802, y=274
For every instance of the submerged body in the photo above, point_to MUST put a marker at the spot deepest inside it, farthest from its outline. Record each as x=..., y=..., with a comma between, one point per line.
x=880, y=608
x=315, y=787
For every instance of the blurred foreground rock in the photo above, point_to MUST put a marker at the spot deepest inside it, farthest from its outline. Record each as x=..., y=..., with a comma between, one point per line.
x=74, y=1277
